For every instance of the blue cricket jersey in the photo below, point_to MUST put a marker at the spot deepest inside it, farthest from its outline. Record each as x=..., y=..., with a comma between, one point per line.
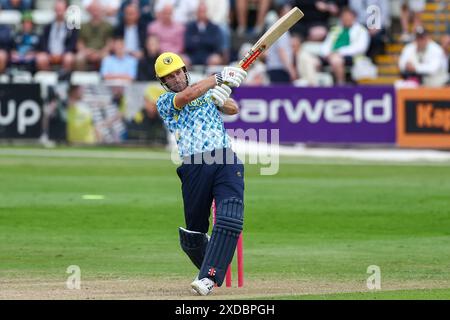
x=198, y=126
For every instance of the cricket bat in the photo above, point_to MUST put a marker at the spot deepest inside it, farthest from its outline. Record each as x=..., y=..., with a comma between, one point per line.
x=270, y=36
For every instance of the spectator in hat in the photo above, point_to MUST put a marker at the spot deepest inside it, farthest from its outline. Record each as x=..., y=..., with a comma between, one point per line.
x=26, y=42
x=424, y=61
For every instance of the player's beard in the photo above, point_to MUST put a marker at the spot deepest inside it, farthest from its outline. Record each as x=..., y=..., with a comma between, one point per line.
x=178, y=85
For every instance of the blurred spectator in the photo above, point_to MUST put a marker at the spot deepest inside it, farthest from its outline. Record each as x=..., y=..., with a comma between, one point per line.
x=219, y=13
x=21, y=5
x=146, y=10
x=203, y=39
x=146, y=124
x=306, y=64
x=133, y=32
x=445, y=44
x=156, y=130
x=119, y=65
x=54, y=117
x=345, y=42
x=314, y=25
x=424, y=61
x=110, y=8
x=242, y=12
x=184, y=11
x=80, y=124
x=377, y=33
x=146, y=67
x=57, y=43
x=6, y=45
x=410, y=8
x=26, y=42
x=170, y=33
x=279, y=59
x=94, y=40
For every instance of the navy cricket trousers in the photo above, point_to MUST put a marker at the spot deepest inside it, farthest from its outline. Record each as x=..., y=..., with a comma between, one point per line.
x=202, y=182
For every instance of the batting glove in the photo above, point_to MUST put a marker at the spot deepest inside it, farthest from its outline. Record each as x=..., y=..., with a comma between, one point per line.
x=220, y=94
x=231, y=76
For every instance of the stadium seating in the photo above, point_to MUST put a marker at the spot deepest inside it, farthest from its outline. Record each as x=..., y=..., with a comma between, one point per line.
x=436, y=20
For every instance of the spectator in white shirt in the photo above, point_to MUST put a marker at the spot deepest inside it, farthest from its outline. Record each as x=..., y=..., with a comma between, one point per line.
x=424, y=60
x=344, y=43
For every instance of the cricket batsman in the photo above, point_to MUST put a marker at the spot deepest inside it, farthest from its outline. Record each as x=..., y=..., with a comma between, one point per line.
x=210, y=169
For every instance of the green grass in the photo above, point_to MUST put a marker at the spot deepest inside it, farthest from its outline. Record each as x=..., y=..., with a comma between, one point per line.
x=310, y=222
x=423, y=294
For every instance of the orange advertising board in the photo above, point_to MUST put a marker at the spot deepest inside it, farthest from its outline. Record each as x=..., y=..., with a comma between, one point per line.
x=423, y=118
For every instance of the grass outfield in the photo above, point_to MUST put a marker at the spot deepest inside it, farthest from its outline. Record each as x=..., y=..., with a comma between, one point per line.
x=311, y=231
x=419, y=294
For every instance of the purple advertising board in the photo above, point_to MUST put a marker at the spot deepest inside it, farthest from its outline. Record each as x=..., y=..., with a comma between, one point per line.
x=318, y=115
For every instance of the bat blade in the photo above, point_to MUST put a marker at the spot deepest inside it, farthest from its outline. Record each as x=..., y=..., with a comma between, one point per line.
x=270, y=36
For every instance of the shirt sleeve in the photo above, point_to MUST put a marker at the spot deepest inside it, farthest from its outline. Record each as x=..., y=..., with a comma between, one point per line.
x=359, y=42
x=167, y=111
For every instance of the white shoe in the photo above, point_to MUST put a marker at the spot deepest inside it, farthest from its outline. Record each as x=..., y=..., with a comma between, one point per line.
x=45, y=141
x=203, y=286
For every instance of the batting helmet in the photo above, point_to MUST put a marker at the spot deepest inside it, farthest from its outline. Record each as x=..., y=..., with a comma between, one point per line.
x=167, y=63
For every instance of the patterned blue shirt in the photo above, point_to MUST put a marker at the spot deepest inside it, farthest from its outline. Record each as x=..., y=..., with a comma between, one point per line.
x=198, y=126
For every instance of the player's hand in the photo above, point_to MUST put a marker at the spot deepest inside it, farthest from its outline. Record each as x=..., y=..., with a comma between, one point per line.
x=231, y=76
x=220, y=94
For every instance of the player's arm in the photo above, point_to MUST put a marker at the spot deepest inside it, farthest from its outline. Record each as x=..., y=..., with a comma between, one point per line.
x=229, y=75
x=194, y=91
x=230, y=107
